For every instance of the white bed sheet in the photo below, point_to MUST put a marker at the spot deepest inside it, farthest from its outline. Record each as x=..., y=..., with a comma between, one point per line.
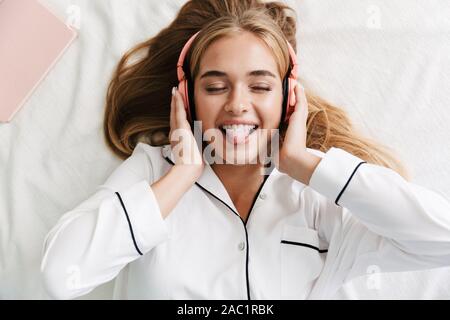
x=386, y=62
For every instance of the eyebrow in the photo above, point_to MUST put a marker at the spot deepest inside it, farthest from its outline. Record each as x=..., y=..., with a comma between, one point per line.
x=255, y=73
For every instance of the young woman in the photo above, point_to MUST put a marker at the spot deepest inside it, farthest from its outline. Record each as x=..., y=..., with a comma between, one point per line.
x=170, y=225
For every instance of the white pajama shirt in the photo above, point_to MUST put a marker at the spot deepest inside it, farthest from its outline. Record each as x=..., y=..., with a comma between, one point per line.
x=299, y=242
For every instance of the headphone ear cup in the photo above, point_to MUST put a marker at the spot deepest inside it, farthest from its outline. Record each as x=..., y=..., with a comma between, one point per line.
x=190, y=102
x=285, y=105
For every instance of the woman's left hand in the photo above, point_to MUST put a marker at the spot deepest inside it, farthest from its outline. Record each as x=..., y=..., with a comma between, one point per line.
x=294, y=159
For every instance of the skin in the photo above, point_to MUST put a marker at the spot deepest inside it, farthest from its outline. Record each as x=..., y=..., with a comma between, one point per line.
x=240, y=98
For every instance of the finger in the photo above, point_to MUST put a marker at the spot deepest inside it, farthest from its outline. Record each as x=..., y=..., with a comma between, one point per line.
x=172, y=113
x=181, y=111
x=301, y=102
x=276, y=153
x=293, y=100
x=298, y=118
x=186, y=135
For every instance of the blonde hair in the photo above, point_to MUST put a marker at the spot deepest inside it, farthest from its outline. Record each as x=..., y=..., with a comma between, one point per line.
x=138, y=97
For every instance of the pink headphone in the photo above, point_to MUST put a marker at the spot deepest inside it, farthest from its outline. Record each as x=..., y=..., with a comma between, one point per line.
x=185, y=86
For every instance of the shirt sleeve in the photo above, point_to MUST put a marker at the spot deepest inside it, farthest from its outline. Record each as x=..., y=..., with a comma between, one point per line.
x=91, y=243
x=413, y=218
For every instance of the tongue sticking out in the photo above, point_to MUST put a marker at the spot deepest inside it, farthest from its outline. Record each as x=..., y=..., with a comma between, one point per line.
x=236, y=136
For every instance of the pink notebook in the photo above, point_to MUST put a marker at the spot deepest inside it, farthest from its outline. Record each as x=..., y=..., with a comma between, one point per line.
x=32, y=39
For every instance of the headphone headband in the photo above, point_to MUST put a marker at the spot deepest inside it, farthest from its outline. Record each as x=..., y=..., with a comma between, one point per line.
x=187, y=46
x=289, y=82
x=182, y=76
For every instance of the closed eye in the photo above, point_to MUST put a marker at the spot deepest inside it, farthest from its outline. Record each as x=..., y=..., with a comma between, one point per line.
x=221, y=89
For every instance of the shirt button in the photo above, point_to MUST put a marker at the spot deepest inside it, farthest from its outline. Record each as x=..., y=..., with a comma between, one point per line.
x=262, y=196
x=241, y=246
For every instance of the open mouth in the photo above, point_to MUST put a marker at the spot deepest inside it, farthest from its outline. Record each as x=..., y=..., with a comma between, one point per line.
x=244, y=128
x=238, y=134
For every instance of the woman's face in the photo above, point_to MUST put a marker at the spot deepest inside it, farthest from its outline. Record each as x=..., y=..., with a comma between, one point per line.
x=238, y=82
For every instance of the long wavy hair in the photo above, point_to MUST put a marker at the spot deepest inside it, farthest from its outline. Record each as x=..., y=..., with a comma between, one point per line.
x=139, y=95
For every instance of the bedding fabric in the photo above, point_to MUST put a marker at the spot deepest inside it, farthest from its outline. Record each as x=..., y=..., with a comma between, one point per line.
x=386, y=62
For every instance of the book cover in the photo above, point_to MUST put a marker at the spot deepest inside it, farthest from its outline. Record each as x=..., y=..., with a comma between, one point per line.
x=32, y=39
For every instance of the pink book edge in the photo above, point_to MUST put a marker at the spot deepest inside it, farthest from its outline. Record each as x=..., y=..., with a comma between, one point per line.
x=58, y=57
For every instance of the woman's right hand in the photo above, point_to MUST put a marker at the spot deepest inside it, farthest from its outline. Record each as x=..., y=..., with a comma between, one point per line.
x=184, y=147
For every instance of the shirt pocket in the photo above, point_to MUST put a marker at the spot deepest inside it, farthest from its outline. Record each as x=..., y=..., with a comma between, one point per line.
x=302, y=260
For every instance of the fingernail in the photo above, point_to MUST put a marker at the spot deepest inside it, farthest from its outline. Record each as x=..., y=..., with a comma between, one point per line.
x=173, y=91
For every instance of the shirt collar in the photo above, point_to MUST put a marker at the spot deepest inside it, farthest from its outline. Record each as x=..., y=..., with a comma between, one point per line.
x=210, y=182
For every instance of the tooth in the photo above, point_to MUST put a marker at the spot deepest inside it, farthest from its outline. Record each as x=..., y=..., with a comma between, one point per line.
x=239, y=127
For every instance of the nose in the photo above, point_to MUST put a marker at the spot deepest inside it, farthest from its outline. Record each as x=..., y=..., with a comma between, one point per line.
x=236, y=108
x=237, y=103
